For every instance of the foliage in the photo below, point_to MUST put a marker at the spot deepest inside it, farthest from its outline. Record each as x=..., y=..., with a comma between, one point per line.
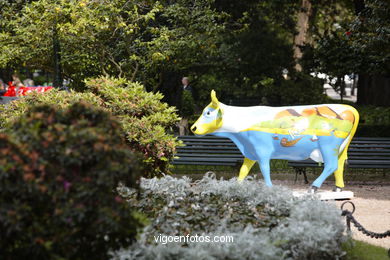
x=132, y=39
x=371, y=115
x=106, y=37
x=358, y=250
x=238, y=44
x=256, y=46
x=374, y=121
x=144, y=118
x=187, y=107
x=58, y=172
x=266, y=223
x=370, y=37
x=335, y=55
x=12, y=111
x=301, y=89
x=353, y=44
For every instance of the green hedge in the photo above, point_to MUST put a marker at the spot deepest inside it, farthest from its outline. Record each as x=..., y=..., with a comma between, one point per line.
x=374, y=121
x=58, y=174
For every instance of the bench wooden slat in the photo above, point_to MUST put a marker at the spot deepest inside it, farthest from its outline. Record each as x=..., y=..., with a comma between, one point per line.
x=363, y=152
x=210, y=155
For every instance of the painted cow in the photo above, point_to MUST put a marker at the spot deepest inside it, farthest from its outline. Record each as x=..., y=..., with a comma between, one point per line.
x=320, y=132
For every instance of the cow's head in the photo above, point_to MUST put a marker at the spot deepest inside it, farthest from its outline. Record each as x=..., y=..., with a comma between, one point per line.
x=211, y=118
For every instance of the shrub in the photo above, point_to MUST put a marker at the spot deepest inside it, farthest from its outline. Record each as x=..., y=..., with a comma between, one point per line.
x=58, y=173
x=266, y=223
x=145, y=120
x=374, y=121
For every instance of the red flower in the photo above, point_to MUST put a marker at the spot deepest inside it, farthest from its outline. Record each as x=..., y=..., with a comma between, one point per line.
x=348, y=33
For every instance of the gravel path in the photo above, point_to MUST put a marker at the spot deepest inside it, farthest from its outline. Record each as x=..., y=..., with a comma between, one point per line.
x=372, y=203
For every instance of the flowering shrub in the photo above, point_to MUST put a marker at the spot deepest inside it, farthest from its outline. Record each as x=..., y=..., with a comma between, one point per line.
x=145, y=120
x=58, y=173
x=266, y=223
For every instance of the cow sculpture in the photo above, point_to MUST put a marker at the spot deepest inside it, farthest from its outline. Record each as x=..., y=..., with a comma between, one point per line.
x=320, y=132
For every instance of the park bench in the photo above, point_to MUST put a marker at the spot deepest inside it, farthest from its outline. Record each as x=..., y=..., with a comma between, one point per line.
x=207, y=150
x=363, y=152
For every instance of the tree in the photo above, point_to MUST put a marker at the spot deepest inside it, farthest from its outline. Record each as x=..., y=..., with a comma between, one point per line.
x=370, y=36
x=353, y=43
x=105, y=37
x=138, y=40
x=227, y=45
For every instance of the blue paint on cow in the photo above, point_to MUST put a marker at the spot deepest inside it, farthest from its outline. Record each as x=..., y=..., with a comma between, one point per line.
x=208, y=115
x=252, y=144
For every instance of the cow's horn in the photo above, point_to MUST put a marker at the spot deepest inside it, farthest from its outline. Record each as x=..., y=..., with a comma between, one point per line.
x=214, y=99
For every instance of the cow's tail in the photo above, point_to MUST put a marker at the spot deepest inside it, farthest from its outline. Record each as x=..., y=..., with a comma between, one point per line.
x=344, y=149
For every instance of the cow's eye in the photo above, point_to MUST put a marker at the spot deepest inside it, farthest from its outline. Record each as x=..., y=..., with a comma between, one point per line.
x=208, y=113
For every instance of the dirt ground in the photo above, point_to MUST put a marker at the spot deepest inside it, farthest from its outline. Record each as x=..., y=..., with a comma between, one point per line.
x=372, y=201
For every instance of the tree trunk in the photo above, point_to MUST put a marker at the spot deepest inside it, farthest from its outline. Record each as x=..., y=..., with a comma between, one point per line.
x=342, y=88
x=302, y=27
x=373, y=90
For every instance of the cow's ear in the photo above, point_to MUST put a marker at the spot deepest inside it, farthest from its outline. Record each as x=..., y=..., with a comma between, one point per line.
x=214, y=99
x=220, y=113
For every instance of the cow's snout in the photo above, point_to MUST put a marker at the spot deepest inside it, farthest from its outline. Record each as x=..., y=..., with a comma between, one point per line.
x=193, y=128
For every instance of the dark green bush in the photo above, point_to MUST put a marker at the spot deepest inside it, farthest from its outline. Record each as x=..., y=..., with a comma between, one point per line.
x=374, y=121
x=58, y=174
x=301, y=89
x=145, y=120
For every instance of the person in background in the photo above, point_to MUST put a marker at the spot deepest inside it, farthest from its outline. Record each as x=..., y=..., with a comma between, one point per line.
x=186, y=84
x=3, y=88
x=186, y=106
x=16, y=81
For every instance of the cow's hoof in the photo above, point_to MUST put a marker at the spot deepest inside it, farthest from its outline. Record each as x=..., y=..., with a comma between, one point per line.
x=337, y=189
x=313, y=189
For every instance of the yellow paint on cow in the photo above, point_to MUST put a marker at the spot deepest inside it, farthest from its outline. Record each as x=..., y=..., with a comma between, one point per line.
x=214, y=100
x=206, y=128
x=282, y=114
x=327, y=112
x=245, y=168
x=338, y=174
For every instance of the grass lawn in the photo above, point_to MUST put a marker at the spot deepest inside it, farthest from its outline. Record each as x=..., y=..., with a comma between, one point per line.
x=364, y=251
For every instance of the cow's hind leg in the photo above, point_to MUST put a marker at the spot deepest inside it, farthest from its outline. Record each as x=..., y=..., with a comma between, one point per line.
x=338, y=174
x=245, y=168
x=265, y=170
x=330, y=166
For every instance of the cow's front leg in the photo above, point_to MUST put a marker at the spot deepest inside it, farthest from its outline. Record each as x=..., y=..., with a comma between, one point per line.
x=330, y=166
x=245, y=168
